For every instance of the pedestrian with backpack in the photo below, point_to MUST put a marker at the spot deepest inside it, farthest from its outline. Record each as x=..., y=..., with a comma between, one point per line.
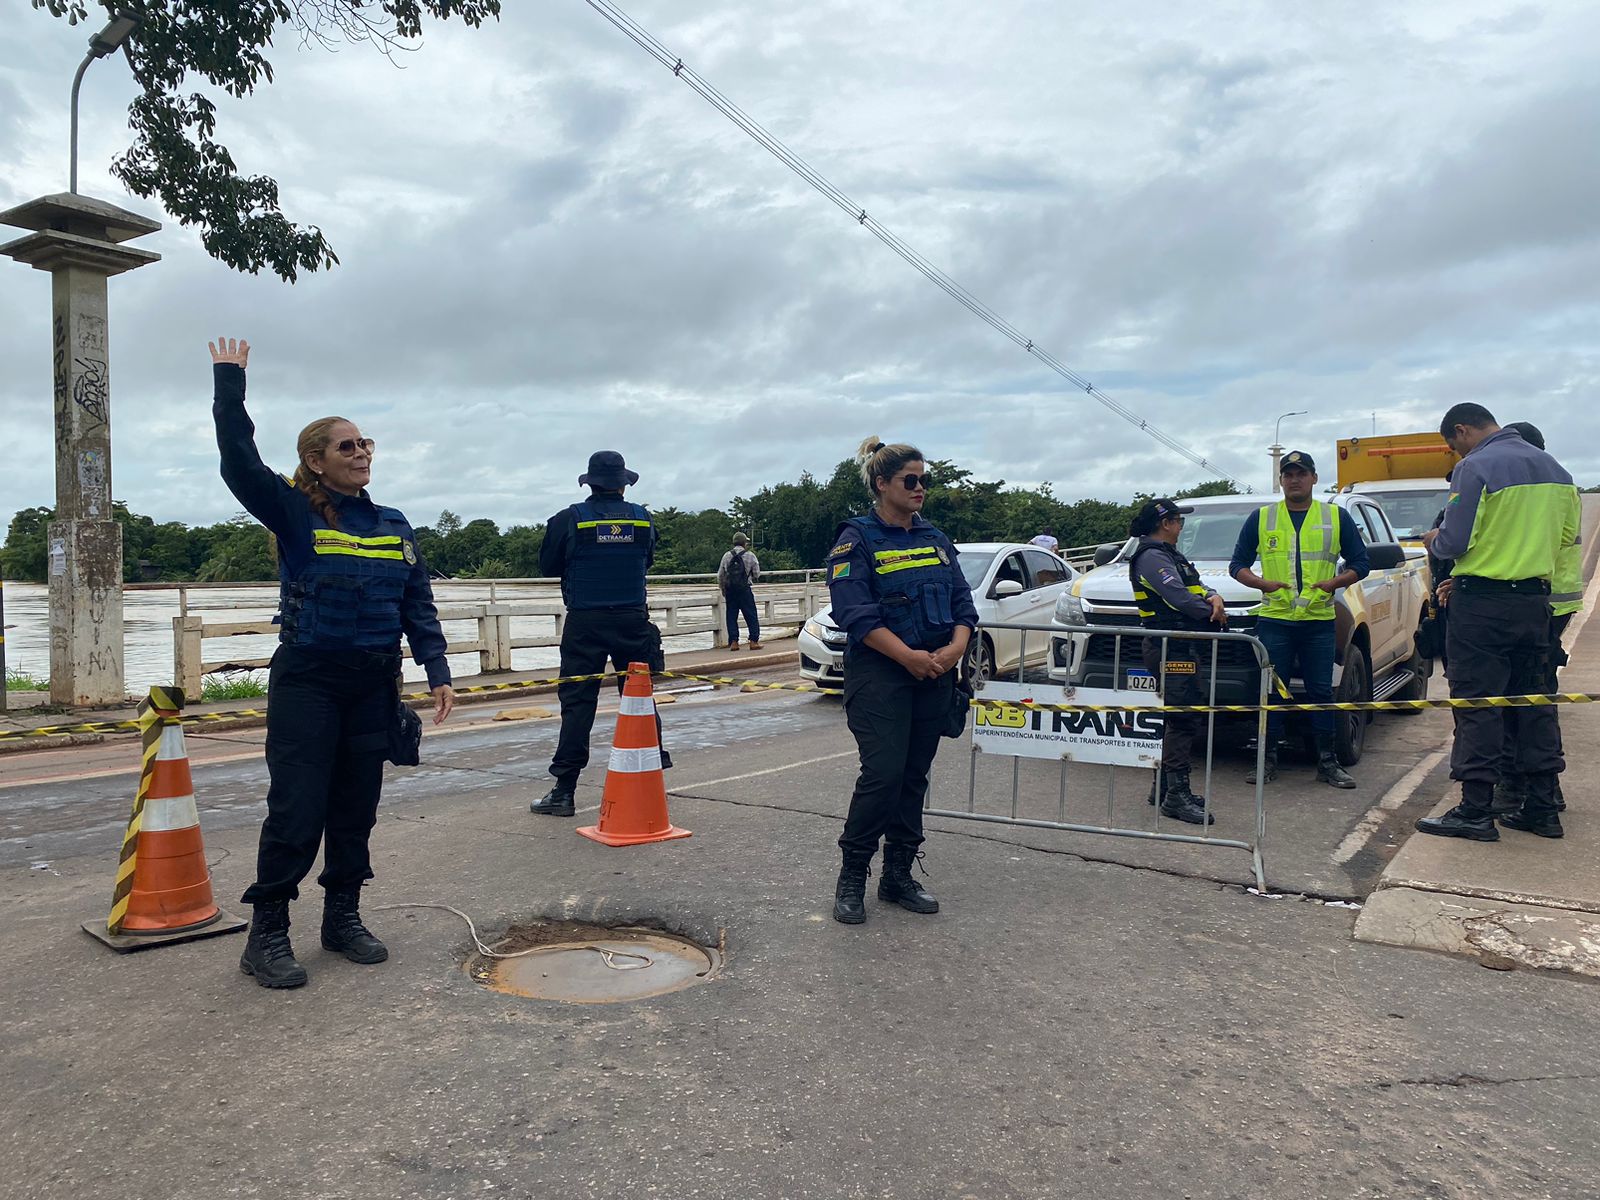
x=736, y=575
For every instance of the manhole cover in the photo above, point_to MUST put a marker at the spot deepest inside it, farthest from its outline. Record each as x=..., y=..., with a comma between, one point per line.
x=589, y=964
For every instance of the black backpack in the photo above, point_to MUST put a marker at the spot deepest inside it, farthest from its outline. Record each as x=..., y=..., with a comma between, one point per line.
x=738, y=573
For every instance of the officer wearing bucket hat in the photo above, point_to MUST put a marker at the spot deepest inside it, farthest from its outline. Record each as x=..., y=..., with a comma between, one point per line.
x=600, y=549
x=1299, y=542
x=1170, y=596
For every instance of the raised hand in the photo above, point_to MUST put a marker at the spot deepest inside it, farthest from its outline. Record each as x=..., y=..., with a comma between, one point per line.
x=230, y=350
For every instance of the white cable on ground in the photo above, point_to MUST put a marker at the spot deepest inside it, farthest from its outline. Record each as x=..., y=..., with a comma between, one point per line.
x=647, y=42
x=608, y=955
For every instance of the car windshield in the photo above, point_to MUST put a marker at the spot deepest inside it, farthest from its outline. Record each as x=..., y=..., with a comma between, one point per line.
x=1213, y=531
x=973, y=564
x=1411, y=513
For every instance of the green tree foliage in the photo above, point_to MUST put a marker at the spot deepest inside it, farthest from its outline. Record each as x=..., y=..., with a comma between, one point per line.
x=792, y=527
x=26, y=550
x=175, y=155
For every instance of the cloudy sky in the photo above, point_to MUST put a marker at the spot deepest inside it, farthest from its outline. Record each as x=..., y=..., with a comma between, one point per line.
x=1218, y=213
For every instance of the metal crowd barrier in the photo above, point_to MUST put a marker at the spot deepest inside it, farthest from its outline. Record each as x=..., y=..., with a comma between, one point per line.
x=1110, y=827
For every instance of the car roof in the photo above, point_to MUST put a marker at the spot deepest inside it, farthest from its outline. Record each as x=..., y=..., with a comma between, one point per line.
x=1222, y=501
x=995, y=547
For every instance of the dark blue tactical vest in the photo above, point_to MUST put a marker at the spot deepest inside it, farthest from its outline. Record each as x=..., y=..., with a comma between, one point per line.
x=1154, y=612
x=610, y=551
x=349, y=594
x=911, y=581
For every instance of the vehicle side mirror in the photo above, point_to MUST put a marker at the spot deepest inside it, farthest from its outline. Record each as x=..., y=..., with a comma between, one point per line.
x=1385, y=556
x=1006, y=588
x=1104, y=554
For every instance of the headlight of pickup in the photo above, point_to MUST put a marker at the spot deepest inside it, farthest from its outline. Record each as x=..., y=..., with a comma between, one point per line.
x=1069, y=610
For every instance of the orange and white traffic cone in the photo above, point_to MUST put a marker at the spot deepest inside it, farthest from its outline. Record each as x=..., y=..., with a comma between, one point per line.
x=633, y=809
x=163, y=887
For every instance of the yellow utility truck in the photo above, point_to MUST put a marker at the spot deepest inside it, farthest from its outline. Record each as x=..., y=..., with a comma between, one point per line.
x=1404, y=473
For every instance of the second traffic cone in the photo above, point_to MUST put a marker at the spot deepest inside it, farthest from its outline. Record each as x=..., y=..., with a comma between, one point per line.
x=633, y=809
x=163, y=883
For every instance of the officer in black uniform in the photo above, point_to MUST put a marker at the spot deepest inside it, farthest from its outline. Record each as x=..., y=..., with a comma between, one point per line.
x=899, y=594
x=1169, y=593
x=600, y=549
x=351, y=583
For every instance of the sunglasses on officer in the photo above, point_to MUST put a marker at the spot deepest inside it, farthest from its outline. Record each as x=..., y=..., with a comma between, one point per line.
x=349, y=446
x=913, y=482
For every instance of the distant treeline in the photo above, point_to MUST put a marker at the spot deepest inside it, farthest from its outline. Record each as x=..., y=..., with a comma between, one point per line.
x=791, y=525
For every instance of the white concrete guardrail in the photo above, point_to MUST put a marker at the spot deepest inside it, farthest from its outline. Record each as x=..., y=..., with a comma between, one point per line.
x=680, y=604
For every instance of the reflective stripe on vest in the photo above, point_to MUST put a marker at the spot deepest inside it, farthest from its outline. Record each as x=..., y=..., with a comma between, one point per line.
x=886, y=562
x=336, y=541
x=1318, y=546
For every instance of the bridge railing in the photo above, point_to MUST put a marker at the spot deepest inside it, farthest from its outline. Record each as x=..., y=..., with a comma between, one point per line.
x=503, y=623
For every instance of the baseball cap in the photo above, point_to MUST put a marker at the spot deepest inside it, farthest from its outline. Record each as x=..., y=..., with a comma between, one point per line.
x=1298, y=458
x=1149, y=517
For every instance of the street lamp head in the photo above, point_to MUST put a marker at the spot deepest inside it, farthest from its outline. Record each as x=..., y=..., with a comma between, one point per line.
x=114, y=34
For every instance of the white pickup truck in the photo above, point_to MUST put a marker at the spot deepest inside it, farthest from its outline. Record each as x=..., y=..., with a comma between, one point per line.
x=1376, y=619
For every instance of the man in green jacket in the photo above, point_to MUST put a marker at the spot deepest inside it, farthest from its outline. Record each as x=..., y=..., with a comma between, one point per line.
x=1512, y=511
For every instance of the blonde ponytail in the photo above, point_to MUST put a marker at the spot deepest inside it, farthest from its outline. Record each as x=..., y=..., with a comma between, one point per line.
x=878, y=461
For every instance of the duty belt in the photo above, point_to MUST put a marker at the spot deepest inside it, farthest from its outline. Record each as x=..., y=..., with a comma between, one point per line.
x=1525, y=587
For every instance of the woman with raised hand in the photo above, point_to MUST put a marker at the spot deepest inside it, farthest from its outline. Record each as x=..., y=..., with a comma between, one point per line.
x=900, y=596
x=351, y=582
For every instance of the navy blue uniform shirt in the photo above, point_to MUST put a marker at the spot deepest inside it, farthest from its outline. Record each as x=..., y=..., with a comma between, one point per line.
x=286, y=511
x=856, y=609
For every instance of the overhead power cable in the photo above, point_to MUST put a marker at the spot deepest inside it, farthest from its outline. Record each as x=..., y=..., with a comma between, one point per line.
x=647, y=41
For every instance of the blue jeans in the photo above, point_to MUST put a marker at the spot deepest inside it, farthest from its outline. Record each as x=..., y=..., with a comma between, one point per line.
x=1303, y=648
x=741, y=602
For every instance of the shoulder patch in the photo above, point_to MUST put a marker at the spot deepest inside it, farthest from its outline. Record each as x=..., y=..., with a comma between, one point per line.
x=840, y=570
x=842, y=548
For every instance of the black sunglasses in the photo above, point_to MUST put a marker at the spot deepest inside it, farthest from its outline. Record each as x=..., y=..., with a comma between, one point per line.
x=913, y=482
x=349, y=446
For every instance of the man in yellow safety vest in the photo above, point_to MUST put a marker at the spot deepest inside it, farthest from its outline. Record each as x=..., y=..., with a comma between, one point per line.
x=1299, y=542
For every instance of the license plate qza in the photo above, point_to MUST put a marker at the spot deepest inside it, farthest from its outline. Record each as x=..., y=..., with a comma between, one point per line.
x=1140, y=680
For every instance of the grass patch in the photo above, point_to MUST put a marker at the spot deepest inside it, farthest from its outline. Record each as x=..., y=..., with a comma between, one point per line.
x=231, y=687
x=18, y=680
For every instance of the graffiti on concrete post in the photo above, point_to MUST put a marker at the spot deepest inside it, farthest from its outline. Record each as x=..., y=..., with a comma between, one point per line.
x=92, y=483
x=90, y=391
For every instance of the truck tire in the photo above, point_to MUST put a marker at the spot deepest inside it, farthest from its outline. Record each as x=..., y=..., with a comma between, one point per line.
x=1355, y=687
x=1421, y=671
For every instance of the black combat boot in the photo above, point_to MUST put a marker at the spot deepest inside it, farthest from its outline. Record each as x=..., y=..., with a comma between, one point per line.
x=342, y=930
x=1328, y=769
x=1181, y=804
x=1509, y=795
x=1538, y=813
x=897, y=886
x=850, y=894
x=1271, y=765
x=1158, y=787
x=1470, y=819
x=559, y=801
x=268, y=955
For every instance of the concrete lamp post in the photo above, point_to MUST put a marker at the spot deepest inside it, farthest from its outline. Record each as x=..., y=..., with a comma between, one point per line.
x=1276, y=449
x=82, y=243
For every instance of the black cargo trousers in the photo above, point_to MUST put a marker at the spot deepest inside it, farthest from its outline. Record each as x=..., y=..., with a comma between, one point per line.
x=1556, y=659
x=1180, y=684
x=589, y=637
x=1499, y=645
x=897, y=721
x=328, y=717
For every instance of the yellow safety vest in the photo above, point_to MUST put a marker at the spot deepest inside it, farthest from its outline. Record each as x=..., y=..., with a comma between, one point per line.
x=1319, y=560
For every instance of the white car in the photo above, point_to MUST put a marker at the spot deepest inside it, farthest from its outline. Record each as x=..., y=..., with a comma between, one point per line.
x=1410, y=504
x=1010, y=582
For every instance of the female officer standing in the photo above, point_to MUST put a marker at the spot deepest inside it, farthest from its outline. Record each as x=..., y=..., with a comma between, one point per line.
x=899, y=595
x=351, y=583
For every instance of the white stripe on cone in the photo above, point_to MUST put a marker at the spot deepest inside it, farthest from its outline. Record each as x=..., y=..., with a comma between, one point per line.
x=636, y=762
x=638, y=706
x=169, y=812
x=171, y=746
